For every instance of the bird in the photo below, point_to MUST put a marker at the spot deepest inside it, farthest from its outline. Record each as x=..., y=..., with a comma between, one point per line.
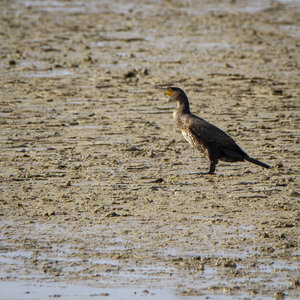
x=205, y=137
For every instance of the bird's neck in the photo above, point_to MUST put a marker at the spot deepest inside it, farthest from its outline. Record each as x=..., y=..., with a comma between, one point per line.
x=183, y=107
x=181, y=110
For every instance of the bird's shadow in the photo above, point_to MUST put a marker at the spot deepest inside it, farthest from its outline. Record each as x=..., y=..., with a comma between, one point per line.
x=201, y=173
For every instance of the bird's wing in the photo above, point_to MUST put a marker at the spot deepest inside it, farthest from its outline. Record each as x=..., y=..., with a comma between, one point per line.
x=211, y=134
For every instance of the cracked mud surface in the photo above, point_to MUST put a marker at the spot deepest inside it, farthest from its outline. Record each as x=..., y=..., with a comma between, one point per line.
x=97, y=185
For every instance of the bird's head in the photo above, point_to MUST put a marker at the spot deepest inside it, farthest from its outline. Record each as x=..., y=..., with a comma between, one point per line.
x=175, y=93
x=179, y=95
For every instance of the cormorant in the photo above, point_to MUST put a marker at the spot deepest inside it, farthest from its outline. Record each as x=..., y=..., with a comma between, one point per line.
x=205, y=137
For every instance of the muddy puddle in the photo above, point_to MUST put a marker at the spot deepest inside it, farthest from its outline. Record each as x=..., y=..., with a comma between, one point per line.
x=100, y=195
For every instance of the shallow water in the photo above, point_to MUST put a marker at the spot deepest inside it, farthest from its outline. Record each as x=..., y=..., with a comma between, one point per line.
x=23, y=290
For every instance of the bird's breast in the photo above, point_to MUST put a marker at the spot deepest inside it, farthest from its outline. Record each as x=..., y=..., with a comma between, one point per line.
x=194, y=141
x=189, y=137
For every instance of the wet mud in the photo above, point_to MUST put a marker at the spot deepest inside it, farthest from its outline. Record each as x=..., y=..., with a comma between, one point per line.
x=99, y=189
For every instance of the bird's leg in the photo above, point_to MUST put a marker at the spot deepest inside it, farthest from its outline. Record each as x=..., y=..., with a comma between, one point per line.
x=212, y=167
x=212, y=154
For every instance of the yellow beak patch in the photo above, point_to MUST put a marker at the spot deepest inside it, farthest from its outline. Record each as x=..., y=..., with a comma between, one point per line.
x=169, y=93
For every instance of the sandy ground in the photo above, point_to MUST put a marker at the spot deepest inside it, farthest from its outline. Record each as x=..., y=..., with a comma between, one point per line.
x=96, y=183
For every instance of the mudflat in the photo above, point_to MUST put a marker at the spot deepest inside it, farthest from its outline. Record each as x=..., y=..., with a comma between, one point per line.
x=99, y=189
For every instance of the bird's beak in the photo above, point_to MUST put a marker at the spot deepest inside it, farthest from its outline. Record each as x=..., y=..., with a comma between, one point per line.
x=167, y=92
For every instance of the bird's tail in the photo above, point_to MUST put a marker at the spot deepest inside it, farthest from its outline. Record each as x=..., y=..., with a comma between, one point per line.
x=257, y=162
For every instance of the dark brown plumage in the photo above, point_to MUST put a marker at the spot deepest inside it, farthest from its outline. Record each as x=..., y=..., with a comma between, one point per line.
x=205, y=137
